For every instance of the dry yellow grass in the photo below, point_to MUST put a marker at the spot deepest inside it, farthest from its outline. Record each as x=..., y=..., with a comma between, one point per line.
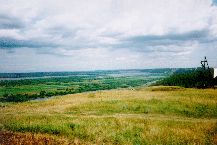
x=155, y=115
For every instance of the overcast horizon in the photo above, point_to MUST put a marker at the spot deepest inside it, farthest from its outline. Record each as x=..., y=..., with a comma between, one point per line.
x=71, y=35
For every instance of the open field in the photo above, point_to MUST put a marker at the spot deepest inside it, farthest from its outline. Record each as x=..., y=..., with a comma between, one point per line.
x=151, y=115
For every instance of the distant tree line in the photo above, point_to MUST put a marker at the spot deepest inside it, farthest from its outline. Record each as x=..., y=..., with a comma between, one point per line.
x=54, y=80
x=46, y=74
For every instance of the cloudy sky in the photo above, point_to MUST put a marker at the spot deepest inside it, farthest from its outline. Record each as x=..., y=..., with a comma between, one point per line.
x=82, y=35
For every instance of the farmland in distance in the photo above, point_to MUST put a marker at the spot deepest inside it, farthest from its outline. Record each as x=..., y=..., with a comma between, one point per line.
x=21, y=87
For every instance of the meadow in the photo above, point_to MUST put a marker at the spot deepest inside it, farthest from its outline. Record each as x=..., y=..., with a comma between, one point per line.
x=144, y=115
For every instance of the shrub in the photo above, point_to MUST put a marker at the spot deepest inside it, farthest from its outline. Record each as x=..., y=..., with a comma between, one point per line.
x=42, y=93
x=5, y=95
x=49, y=94
x=15, y=98
x=72, y=126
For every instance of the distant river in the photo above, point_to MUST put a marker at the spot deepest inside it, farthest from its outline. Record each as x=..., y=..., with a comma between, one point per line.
x=131, y=73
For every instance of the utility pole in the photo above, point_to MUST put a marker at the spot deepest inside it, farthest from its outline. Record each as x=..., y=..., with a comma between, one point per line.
x=204, y=68
x=203, y=64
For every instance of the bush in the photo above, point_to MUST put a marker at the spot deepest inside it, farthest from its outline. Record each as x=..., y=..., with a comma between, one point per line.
x=5, y=95
x=42, y=93
x=72, y=126
x=50, y=94
x=15, y=98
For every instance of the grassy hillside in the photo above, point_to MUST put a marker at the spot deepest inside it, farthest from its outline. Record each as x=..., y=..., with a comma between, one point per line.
x=152, y=115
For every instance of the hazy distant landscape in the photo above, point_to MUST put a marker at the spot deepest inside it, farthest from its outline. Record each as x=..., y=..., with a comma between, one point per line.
x=20, y=87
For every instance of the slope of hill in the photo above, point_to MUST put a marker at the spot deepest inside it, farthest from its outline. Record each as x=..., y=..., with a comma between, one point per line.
x=151, y=115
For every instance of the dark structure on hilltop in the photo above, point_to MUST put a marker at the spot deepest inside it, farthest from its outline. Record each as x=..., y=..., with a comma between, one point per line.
x=208, y=79
x=191, y=77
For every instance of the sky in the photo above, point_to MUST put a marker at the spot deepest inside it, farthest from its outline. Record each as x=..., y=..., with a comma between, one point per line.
x=87, y=35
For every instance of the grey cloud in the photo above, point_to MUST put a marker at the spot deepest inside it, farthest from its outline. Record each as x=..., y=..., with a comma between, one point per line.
x=48, y=50
x=193, y=35
x=137, y=43
x=63, y=31
x=111, y=34
x=67, y=34
x=143, y=42
x=10, y=51
x=8, y=22
x=13, y=43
